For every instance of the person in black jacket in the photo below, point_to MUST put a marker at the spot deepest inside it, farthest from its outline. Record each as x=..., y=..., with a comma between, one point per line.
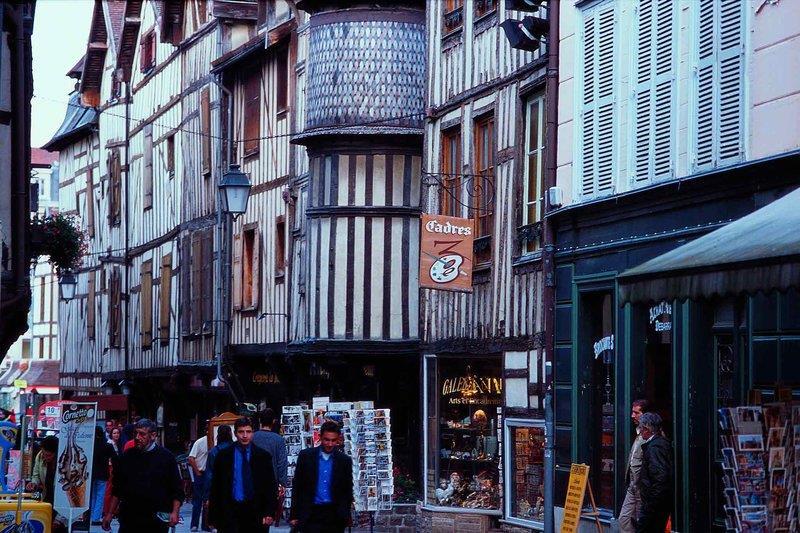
x=655, y=476
x=244, y=493
x=147, y=489
x=322, y=489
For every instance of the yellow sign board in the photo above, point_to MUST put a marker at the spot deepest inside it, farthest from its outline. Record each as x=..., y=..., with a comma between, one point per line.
x=20, y=384
x=576, y=490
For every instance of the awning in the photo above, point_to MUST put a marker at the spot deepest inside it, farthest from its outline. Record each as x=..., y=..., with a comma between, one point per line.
x=105, y=402
x=758, y=252
x=42, y=376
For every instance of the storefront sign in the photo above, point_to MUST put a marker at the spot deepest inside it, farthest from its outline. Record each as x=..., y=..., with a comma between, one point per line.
x=606, y=344
x=75, y=451
x=576, y=490
x=445, y=258
x=269, y=378
x=661, y=317
x=472, y=389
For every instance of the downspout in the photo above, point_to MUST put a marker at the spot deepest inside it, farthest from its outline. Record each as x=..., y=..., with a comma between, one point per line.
x=548, y=256
x=127, y=239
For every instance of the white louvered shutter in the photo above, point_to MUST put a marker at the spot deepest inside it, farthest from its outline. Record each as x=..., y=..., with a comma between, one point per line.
x=654, y=95
x=719, y=105
x=597, y=115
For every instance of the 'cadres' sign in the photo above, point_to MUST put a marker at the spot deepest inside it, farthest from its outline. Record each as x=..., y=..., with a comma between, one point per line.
x=445, y=258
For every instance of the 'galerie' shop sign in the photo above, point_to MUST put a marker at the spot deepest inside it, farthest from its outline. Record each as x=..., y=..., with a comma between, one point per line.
x=472, y=389
x=445, y=258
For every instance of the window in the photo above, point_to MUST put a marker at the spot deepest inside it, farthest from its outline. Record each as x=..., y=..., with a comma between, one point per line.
x=483, y=7
x=116, y=86
x=165, y=298
x=596, y=102
x=718, y=93
x=450, y=198
x=90, y=305
x=282, y=79
x=453, y=15
x=186, y=271
x=280, y=247
x=146, y=304
x=246, y=269
x=41, y=299
x=90, y=202
x=205, y=129
x=251, y=84
x=200, y=286
x=147, y=51
x=653, y=105
x=170, y=156
x=115, y=187
x=534, y=165
x=524, y=464
x=147, y=167
x=115, y=309
x=482, y=202
x=41, y=347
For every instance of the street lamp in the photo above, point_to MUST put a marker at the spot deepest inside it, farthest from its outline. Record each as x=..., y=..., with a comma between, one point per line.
x=68, y=283
x=234, y=188
x=107, y=388
x=125, y=387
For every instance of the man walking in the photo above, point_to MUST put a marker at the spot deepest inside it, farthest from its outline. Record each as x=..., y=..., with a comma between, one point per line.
x=244, y=493
x=322, y=489
x=655, y=476
x=147, y=489
x=198, y=457
x=267, y=439
x=630, y=506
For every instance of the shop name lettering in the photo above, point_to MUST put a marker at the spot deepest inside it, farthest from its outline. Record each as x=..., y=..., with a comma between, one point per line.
x=663, y=309
x=264, y=379
x=447, y=228
x=78, y=415
x=603, y=345
x=472, y=385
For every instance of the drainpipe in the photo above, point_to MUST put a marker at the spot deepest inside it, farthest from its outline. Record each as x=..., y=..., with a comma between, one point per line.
x=548, y=259
x=127, y=211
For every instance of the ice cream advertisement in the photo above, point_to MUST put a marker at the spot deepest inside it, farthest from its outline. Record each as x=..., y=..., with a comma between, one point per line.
x=74, y=460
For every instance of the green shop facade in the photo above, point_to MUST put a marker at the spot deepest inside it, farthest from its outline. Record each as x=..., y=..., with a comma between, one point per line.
x=622, y=333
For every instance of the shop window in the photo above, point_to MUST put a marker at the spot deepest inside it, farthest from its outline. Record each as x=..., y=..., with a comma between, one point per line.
x=463, y=421
x=524, y=467
x=534, y=165
x=453, y=15
x=450, y=196
x=482, y=201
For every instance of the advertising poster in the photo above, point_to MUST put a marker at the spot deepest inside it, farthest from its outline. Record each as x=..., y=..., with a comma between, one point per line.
x=74, y=459
x=445, y=256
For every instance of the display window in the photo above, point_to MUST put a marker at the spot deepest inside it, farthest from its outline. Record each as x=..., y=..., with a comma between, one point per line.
x=463, y=404
x=524, y=466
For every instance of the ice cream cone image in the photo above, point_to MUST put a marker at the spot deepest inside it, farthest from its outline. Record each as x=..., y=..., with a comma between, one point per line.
x=77, y=495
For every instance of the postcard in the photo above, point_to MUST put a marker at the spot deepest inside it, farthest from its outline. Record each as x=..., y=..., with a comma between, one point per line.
x=729, y=457
x=775, y=438
x=777, y=458
x=777, y=478
x=732, y=518
x=732, y=498
x=751, y=443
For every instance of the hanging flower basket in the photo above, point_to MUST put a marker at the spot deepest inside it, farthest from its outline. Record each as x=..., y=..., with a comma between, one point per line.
x=60, y=237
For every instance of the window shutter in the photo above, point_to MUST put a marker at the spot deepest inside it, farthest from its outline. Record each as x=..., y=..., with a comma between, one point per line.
x=147, y=176
x=117, y=186
x=186, y=285
x=146, y=304
x=719, y=133
x=90, y=303
x=256, y=281
x=165, y=298
x=237, y=272
x=208, y=275
x=597, y=114
x=115, y=314
x=252, y=111
x=205, y=129
x=90, y=203
x=197, y=286
x=654, y=91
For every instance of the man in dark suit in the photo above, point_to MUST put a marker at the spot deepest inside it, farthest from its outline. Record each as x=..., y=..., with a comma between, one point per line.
x=322, y=489
x=655, y=477
x=244, y=494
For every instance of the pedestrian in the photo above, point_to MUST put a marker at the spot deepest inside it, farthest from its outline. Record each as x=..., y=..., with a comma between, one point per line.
x=116, y=434
x=322, y=488
x=147, y=489
x=655, y=476
x=43, y=478
x=101, y=462
x=198, y=458
x=224, y=440
x=266, y=438
x=630, y=506
x=244, y=493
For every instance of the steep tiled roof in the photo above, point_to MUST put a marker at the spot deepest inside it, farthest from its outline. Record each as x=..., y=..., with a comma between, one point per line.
x=42, y=158
x=116, y=16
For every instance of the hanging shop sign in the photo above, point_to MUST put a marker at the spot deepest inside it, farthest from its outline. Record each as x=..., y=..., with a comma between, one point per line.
x=661, y=317
x=75, y=451
x=445, y=258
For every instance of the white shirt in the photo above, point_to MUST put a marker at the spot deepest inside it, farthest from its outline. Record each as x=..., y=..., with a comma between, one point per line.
x=200, y=452
x=325, y=456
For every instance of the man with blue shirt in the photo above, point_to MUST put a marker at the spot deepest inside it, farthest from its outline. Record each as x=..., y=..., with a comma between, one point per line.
x=322, y=489
x=244, y=494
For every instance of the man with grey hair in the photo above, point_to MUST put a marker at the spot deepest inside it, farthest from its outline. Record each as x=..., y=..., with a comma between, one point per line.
x=146, y=489
x=655, y=476
x=630, y=505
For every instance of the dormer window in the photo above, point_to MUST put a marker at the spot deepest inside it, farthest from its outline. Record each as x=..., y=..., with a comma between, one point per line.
x=147, y=52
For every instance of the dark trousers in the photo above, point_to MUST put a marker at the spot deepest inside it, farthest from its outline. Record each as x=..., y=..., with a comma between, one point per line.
x=324, y=519
x=138, y=526
x=198, y=491
x=653, y=521
x=241, y=517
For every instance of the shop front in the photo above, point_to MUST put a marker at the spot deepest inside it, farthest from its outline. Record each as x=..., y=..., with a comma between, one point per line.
x=463, y=429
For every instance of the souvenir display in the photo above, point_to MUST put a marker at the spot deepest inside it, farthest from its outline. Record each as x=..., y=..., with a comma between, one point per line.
x=527, y=472
x=760, y=462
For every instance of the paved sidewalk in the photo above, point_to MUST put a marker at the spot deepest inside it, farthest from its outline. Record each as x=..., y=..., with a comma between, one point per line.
x=186, y=514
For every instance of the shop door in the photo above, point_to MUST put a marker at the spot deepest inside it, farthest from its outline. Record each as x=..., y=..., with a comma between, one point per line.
x=658, y=365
